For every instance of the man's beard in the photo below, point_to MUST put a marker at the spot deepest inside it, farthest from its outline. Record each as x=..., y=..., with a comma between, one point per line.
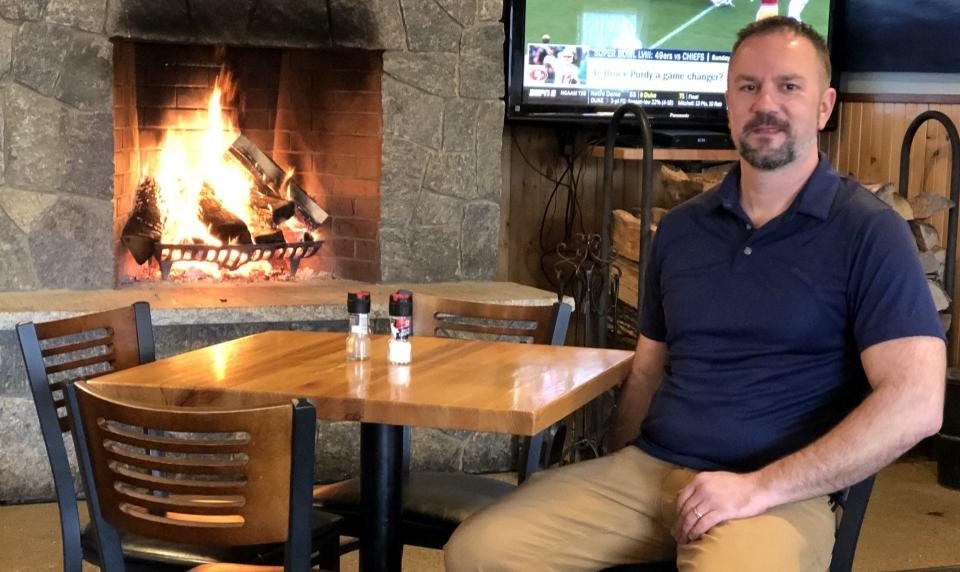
x=762, y=157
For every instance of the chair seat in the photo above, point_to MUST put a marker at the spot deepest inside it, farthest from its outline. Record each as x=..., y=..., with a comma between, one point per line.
x=434, y=503
x=147, y=554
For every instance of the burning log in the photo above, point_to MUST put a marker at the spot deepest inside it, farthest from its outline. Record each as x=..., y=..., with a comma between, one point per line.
x=144, y=228
x=273, y=182
x=272, y=238
x=278, y=209
x=223, y=224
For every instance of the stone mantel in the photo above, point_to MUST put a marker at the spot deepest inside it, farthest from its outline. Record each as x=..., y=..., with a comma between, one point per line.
x=184, y=304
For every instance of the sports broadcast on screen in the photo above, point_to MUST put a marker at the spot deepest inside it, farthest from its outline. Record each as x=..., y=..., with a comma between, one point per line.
x=663, y=53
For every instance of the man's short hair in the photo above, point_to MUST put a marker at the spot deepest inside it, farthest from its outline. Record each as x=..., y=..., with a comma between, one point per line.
x=775, y=24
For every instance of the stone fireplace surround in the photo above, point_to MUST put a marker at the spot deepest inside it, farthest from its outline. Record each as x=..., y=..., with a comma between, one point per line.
x=442, y=123
x=439, y=186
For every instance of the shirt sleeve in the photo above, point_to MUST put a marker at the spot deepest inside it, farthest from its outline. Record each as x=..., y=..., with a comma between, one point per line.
x=888, y=295
x=652, y=321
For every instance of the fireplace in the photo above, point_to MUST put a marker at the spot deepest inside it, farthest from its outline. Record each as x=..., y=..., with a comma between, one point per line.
x=64, y=160
x=246, y=163
x=432, y=213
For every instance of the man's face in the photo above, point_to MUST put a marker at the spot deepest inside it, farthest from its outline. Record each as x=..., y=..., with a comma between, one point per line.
x=777, y=98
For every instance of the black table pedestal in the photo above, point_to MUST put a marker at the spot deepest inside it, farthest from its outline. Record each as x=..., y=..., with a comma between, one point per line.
x=381, y=494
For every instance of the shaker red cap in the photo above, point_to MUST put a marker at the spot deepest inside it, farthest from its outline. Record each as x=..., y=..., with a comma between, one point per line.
x=401, y=303
x=358, y=302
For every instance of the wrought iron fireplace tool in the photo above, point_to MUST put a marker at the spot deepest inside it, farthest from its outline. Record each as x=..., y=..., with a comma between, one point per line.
x=585, y=271
x=602, y=309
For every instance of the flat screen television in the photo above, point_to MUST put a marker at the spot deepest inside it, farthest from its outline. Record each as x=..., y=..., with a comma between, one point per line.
x=578, y=60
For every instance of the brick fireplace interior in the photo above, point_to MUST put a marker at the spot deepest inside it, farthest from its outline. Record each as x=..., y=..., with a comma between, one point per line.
x=316, y=111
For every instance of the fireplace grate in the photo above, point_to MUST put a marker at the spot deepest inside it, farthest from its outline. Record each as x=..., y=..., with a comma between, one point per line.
x=233, y=256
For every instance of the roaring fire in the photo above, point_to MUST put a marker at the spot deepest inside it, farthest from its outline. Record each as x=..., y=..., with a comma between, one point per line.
x=194, y=161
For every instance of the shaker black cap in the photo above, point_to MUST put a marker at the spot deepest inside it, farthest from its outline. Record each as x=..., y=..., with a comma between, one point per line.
x=358, y=302
x=401, y=303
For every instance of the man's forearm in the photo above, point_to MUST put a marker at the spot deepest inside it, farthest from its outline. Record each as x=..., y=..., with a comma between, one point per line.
x=893, y=418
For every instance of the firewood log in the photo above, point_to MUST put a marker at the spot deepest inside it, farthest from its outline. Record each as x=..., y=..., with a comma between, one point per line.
x=933, y=260
x=940, y=298
x=927, y=204
x=890, y=196
x=272, y=238
x=222, y=224
x=279, y=209
x=926, y=235
x=144, y=228
x=273, y=181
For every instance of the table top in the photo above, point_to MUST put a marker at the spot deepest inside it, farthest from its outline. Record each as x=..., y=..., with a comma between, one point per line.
x=451, y=383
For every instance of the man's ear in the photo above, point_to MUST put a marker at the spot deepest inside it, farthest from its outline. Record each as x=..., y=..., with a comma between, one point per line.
x=827, y=100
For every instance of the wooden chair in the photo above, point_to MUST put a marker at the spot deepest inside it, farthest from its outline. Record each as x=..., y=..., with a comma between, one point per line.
x=435, y=503
x=852, y=502
x=59, y=351
x=196, y=476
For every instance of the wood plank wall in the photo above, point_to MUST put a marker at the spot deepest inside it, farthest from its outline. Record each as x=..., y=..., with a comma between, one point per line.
x=866, y=146
x=535, y=164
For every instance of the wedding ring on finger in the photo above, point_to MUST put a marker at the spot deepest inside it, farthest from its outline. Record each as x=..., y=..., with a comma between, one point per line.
x=697, y=514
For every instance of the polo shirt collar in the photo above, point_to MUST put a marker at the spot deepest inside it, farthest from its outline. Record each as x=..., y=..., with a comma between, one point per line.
x=815, y=198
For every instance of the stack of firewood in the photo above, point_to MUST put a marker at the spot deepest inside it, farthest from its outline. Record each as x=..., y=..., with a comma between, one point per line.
x=918, y=211
x=676, y=186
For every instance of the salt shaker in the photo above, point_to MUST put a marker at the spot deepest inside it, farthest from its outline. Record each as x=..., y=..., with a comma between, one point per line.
x=358, y=340
x=399, y=350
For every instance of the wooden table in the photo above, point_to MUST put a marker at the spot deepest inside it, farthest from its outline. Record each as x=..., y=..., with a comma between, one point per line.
x=455, y=384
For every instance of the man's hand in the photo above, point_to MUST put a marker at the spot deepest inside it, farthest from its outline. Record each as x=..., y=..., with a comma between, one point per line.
x=715, y=497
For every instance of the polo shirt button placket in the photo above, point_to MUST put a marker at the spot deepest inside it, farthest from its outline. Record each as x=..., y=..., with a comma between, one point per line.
x=748, y=251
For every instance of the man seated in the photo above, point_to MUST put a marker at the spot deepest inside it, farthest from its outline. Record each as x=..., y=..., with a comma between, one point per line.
x=789, y=348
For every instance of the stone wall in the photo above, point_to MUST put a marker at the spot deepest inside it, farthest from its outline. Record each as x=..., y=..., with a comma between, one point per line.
x=443, y=79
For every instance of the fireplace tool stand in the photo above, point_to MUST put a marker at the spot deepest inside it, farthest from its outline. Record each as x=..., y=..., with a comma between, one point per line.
x=947, y=443
x=587, y=272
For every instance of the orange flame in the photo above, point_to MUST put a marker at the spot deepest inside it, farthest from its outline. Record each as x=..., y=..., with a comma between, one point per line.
x=194, y=153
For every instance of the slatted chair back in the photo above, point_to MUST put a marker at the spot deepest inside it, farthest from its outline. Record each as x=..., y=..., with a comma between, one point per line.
x=444, y=317
x=197, y=476
x=57, y=352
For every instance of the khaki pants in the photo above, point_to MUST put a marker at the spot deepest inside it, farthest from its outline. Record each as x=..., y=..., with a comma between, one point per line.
x=620, y=509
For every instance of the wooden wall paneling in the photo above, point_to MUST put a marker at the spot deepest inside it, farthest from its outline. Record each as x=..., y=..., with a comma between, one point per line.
x=862, y=162
x=917, y=175
x=830, y=140
x=893, y=133
x=847, y=136
x=880, y=141
x=529, y=190
x=891, y=141
x=937, y=157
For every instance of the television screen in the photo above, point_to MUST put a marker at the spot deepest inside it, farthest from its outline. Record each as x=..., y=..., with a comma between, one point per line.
x=581, y=59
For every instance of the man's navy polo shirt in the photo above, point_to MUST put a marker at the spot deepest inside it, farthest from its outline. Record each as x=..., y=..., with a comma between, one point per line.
x=764, y=327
